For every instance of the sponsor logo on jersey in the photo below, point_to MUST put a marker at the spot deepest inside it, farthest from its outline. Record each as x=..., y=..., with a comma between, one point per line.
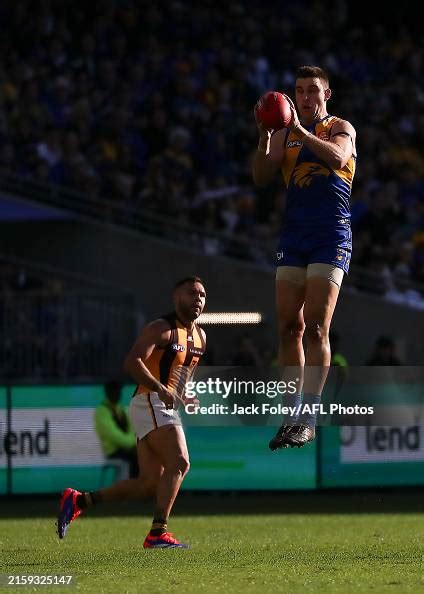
x=178, y=347
x=193, y=351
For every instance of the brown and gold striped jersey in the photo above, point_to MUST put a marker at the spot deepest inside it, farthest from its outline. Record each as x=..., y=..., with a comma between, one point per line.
x=174, y=364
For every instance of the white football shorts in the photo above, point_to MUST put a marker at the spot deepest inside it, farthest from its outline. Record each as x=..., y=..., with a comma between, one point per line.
x=147, y=412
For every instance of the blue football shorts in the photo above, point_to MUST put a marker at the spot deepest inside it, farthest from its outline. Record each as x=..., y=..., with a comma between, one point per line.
x=299, y=246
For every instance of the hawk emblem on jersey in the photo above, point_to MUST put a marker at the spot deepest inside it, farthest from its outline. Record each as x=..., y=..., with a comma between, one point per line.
x=304, y=173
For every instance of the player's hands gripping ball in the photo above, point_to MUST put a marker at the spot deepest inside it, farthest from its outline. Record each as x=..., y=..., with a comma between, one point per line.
x=273, y=111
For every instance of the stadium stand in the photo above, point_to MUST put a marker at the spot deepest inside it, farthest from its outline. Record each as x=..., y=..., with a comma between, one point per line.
x=145, y=113
x=55, y=326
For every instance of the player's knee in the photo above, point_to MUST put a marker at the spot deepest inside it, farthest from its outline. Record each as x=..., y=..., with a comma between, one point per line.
x=291, y=331
x=181, y=465
x=184, y=465
x=315, y=331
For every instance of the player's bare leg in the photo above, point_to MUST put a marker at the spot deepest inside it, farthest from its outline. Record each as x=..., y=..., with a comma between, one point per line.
x=74, y=502
x=150, y=469
x=320, y=302
x=169, y=445
x=163, y=462
x=290, y=298
x=165, y=443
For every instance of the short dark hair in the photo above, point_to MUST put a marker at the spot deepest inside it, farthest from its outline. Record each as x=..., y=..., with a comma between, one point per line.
x=312, y=72
x=188, y=279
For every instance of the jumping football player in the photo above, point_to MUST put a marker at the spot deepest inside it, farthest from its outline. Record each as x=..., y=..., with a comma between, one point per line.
x=316, y=157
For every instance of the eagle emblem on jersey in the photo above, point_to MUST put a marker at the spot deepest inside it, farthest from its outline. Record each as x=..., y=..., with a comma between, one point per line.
x=304, y=173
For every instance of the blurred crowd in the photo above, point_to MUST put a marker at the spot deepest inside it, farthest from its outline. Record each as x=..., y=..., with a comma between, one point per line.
x=149, y=105
x=248, y=353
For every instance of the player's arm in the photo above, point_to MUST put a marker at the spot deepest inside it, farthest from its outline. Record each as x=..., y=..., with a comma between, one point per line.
x=269, y=154
x=337, y=150
x=155, y=334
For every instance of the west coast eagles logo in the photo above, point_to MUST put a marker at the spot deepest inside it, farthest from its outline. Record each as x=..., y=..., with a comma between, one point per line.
x=303, y=174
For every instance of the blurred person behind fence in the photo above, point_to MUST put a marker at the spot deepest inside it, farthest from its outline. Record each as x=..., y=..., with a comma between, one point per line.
x=114, y=429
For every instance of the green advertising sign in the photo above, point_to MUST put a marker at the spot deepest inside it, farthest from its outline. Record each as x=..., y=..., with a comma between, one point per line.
x=55, y=445
x=372, y=456
x=3, y=428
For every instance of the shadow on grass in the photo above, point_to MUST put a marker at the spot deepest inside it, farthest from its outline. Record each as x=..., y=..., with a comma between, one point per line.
x=407, y=500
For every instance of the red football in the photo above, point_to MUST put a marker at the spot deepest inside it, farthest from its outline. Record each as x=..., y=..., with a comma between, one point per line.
x=273, y=110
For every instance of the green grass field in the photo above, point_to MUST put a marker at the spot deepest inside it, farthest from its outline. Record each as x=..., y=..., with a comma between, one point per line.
x=246, y=552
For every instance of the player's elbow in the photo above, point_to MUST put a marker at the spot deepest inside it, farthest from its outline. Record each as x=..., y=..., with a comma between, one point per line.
x=336, y=163
x=339, y=161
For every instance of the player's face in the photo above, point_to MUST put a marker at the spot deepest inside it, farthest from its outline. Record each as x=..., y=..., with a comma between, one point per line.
x=190, y=300
x=311, y=98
